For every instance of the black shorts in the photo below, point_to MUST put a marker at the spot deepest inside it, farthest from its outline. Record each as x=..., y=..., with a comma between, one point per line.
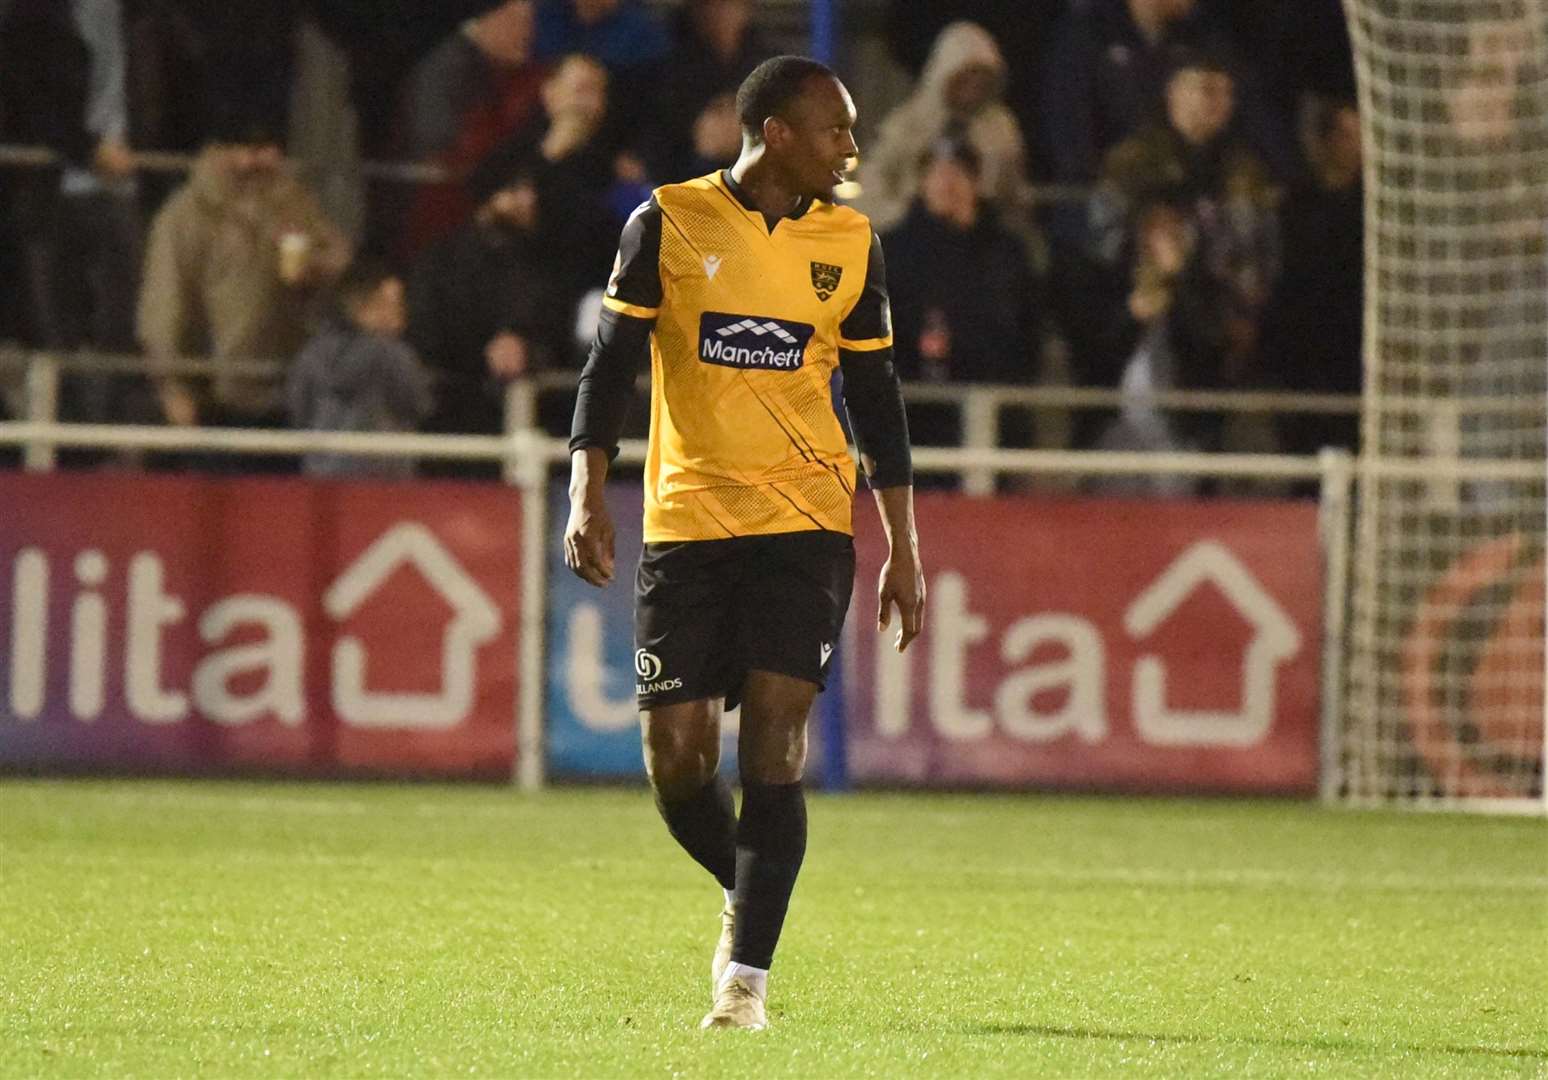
x=706, y=612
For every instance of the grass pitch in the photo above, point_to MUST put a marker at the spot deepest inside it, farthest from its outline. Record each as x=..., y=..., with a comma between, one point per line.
x=222, y=929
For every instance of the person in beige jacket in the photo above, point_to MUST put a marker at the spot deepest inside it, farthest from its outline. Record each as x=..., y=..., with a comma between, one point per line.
x=960, y=94
x=235, y=258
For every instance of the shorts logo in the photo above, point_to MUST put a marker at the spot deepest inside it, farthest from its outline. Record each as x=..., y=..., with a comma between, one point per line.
x=827, y=651
x=647, y=665
x=825, y=279
x=753, y=342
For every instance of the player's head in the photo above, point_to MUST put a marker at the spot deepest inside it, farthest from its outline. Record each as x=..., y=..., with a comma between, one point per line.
x=802, y=116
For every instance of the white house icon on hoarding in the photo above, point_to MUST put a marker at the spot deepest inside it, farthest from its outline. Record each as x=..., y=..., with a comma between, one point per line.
x=476, y=621
x=1275, y=640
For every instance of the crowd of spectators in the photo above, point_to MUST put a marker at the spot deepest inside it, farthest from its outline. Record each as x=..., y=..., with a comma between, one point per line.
x=1132, y=194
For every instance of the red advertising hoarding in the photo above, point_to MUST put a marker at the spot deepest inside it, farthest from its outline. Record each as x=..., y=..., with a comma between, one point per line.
x=1096, y=644
x=203, y=625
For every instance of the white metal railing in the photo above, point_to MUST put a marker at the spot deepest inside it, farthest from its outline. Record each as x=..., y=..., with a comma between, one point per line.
x=979, y=407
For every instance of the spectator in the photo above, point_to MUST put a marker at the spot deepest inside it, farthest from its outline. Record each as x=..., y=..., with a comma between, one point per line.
x=1312, y=332
x=717, y=46
x=475, y=87
x=571, y=169
x=1021, y=29
x=1108, y=78
x=958, y=94
x=717, y=137
x=65, y=67
x=485, y=306
x=1193, y=160
x=475, y=90
x=1169, y=334
x=622, y=34
x=234, y=258
x=626, y=39
x=963, y=295
x=356, y=374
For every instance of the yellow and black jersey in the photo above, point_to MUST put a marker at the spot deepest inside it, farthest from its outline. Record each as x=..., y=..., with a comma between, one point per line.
x=750, y=319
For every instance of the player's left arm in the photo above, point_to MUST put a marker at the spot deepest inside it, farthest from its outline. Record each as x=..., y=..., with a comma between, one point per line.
x=873, y=398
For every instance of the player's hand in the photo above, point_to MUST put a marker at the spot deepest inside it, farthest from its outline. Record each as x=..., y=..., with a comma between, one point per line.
x=902, y=583
x=588, y=543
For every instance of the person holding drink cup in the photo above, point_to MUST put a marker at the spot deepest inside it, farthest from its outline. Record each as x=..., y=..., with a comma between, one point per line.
x=234, y=265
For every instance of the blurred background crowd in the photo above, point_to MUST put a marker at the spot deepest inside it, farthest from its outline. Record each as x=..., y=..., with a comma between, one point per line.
x=1137, y=195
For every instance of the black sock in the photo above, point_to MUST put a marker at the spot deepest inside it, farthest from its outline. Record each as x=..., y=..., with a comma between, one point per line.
x=705, y=825
x=770, y=843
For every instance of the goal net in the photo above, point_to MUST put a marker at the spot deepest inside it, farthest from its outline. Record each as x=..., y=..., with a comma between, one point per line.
x=1443, y=685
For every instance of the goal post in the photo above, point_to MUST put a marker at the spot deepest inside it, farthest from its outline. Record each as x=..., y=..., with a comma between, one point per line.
x=1442, y=701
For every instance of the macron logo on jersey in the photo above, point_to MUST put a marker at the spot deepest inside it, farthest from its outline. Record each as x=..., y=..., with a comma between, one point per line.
x=753, y=341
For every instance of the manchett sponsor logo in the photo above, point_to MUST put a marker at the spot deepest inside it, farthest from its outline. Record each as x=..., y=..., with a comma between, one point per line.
x=753, y=342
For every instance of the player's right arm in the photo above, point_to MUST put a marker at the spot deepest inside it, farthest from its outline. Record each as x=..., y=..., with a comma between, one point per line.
x=607, y=388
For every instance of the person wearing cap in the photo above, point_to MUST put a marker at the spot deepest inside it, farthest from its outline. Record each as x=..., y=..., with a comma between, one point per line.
x=234, y=261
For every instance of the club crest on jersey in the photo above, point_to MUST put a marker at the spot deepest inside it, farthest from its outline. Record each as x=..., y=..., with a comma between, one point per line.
x=825, y=278
x=754, y=342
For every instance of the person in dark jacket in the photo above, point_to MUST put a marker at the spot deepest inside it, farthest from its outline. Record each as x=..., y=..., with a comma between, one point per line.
x=1107, y=78
x=1169, y=333
x=963, y=292
x=486, y=306
x=1194, y=158
x=717, y=47
x=62, y=84
x=567, y=161
x=1312, y=329
x=357, y=374
x=964, y=298
x=481, y=86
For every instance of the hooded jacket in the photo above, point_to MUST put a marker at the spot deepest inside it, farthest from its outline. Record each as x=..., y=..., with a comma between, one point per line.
x=212, y=286
x=890, y=173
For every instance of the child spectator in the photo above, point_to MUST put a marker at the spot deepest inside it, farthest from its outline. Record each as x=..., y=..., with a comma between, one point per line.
x=357, y=374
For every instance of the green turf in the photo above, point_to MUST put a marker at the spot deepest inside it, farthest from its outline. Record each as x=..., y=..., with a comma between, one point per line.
x=174, y=929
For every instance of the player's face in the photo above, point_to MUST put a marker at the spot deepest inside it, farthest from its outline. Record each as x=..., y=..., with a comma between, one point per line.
x=817, y=138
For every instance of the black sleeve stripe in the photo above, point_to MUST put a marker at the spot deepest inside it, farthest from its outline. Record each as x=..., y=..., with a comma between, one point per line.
x=607, y=383
x=873, y=398
x=636, y=279
x=871, y=317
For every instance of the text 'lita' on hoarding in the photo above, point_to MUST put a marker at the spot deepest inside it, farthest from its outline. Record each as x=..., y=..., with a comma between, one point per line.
x=1056, y=666
x=251, y=647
